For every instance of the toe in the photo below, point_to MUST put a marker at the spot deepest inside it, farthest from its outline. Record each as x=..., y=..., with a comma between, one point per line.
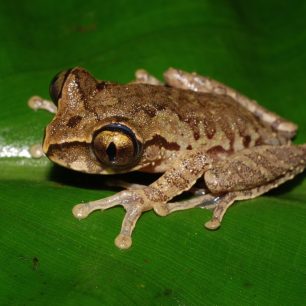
x=80, y=211
x=213, y=224
x=123, y=241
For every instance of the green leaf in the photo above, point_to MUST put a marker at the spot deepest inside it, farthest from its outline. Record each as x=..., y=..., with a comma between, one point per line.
x=47, y=256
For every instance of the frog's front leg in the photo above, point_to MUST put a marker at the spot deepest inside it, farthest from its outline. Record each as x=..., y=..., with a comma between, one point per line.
x=181, y=177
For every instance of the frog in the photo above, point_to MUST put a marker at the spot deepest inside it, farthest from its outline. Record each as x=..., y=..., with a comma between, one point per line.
x=189, y=129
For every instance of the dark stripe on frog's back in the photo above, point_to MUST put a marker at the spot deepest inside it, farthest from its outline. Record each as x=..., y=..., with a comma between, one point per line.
x=215, y=113
x=220, y=113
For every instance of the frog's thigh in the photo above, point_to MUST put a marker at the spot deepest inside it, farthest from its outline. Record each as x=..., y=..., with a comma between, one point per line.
x=253, y=167
x=184, y=80
x=252, y=172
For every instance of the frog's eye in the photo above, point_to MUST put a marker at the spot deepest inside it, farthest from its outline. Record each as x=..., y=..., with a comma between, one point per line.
x=56, y=85
x=117, y=146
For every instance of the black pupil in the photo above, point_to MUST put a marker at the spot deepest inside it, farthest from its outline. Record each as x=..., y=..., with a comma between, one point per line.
x=111, y=152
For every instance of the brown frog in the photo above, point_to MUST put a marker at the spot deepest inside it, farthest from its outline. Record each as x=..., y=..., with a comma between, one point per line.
x=188, y=128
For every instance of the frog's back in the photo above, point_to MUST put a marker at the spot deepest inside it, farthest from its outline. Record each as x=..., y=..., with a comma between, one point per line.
x=222, y=123
x=178, y=119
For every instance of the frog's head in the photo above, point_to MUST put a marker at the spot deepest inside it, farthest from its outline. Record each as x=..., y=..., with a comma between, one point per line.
x=82, y=136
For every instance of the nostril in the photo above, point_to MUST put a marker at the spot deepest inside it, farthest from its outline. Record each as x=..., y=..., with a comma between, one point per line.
x=111, y=152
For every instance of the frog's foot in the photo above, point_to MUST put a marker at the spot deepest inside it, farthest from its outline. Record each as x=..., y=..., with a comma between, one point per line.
x=37, y=102
x=131, y=200
x=142, y=76
x=218, y=203
x=223, y=204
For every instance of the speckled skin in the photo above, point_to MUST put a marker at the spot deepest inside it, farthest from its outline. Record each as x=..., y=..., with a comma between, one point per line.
x=191, y=128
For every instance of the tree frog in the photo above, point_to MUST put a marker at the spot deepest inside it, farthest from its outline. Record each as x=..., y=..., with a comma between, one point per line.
x=188, y=128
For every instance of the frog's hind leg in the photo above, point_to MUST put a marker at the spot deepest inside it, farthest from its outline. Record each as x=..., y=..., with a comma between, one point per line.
x=228, y=199
x=220, y=203
x=192, y=81
x=250, y=173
